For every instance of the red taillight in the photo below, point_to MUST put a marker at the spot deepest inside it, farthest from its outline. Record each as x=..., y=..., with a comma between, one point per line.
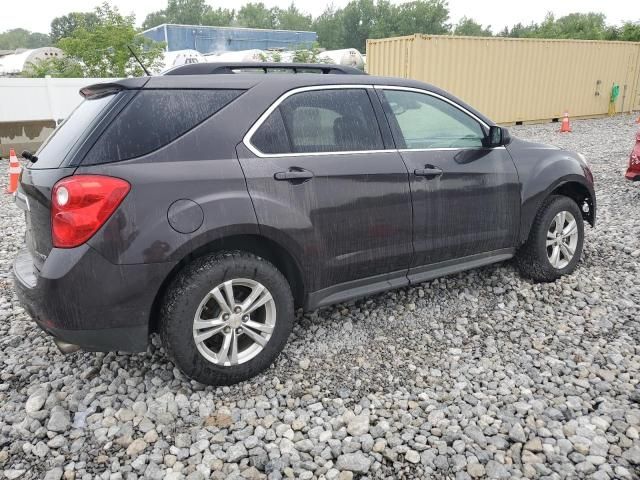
x=81, y=204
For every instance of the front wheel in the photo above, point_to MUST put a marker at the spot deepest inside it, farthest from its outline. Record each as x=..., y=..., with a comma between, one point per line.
x=555, y=241
x=226, y=317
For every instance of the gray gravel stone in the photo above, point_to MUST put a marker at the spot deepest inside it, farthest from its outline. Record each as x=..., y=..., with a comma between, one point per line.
x=358, y=425
x=516, y=433
x=59, y=420
x=36, y=401
x=482, y=374
x=354, y=462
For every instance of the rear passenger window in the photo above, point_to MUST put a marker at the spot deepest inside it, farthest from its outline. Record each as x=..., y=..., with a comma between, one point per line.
x=155, y=118
x=321, y=121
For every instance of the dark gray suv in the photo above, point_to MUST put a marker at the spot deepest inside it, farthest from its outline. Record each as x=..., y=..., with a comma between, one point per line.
x=209, y=203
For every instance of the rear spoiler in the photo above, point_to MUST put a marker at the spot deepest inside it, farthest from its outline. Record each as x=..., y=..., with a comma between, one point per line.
x=98, y=90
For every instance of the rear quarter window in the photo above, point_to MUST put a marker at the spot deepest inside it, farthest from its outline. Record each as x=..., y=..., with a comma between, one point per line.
x=154, y=118
x=69, y=133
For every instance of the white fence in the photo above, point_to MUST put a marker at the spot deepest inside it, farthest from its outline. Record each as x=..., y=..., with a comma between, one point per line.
x=38, y=99
x=31, y=107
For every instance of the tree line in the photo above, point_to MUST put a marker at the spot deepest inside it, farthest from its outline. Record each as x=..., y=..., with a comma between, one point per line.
x=346, y=27
x=350, y=26
x=96, y=43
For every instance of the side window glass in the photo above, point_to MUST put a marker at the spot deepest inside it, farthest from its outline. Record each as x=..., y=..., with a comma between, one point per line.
x=316, y=121
x=155, y=118
x=272, y=137
x=425, y=121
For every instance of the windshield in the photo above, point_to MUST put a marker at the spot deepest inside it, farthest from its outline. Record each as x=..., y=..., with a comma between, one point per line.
x=54, y=150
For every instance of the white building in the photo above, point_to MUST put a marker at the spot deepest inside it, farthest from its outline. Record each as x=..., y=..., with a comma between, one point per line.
x=14, y=63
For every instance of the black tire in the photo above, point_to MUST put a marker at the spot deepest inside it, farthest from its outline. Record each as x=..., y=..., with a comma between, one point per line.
x=182, y=301
x=532, y=258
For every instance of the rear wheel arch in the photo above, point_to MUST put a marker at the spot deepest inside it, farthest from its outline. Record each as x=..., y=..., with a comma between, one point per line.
x=258, y=245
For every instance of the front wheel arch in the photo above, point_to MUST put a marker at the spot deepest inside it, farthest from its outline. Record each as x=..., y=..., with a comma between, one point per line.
x=581, y=195
x=573, y=187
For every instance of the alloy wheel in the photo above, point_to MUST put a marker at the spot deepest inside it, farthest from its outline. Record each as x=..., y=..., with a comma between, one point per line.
x=562, y=239
x=234, y=322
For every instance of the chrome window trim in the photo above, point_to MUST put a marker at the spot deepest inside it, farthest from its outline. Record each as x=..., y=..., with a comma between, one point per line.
x=445, y=149
x=246, y=140
x=433, y=94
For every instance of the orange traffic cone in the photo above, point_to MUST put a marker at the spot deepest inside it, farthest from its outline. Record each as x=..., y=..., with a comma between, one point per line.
x=566, y=124
x=14, y=172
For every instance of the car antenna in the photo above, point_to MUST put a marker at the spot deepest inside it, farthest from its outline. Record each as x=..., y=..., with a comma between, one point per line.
x=138, y=60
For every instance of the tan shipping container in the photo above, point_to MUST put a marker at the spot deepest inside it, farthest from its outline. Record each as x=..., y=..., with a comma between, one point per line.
x=517, y=80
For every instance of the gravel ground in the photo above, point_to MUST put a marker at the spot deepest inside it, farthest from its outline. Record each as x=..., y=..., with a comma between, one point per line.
x=481, y=374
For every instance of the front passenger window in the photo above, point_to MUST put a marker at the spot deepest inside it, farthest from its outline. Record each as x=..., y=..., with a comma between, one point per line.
x=424, y=121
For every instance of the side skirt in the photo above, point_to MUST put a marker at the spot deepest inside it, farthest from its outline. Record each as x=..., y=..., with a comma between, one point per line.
x=364, y=287
x=440, y=269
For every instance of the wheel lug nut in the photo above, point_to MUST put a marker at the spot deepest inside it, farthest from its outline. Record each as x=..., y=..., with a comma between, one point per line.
x=245, y=318
x=227, y=329
x=225, y=316
x=237, y=310
x=238, y=330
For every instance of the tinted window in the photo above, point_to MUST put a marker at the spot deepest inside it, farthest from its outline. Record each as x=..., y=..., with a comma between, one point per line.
x=153, y=119
x=272, y=137
x=321, y=121
x=63, y=139
x=425, y=121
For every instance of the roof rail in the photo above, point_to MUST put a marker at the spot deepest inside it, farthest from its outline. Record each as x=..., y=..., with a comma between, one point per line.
x=264, y=67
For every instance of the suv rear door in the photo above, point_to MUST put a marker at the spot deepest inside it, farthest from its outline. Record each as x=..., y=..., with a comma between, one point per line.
x=466, y=197
x=323, y=176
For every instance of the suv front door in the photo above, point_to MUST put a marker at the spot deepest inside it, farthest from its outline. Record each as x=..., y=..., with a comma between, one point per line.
x=466, y=197
x=326, y=182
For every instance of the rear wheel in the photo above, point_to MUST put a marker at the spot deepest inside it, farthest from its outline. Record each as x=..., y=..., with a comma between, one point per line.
x=226, y=317
x=555, y=241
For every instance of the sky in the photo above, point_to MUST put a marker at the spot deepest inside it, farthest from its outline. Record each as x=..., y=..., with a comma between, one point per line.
x=36, y=15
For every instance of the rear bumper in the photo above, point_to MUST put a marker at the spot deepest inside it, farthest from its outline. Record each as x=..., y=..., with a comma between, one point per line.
x=81, y=298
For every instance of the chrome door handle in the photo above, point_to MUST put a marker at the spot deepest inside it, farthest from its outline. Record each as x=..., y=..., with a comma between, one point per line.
x=293, y=175
x=429, y=172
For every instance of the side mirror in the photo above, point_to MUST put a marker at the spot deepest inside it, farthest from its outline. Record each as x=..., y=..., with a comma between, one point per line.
x=498, y=136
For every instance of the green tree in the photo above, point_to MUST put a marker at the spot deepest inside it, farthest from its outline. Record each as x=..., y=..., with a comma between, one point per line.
x=220, y=17
x=291, y=18
x=312, y=55
x=585, y=26
x=53, y=67
x=328, y=26
x=189, y=12
x=256, y=15
x=469, y=27
x=154, y=19
x=519, y=31
x=629, y=32
x=64, y=25
x=186, y=12
x=357, y=19
x=582, y=26
x=424, y=16
x=21, y=38
x=387, y=19
x=102, y=50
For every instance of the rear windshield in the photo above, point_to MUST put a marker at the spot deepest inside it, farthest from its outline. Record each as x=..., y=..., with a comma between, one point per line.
x=54, y=150
x=155, y=118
